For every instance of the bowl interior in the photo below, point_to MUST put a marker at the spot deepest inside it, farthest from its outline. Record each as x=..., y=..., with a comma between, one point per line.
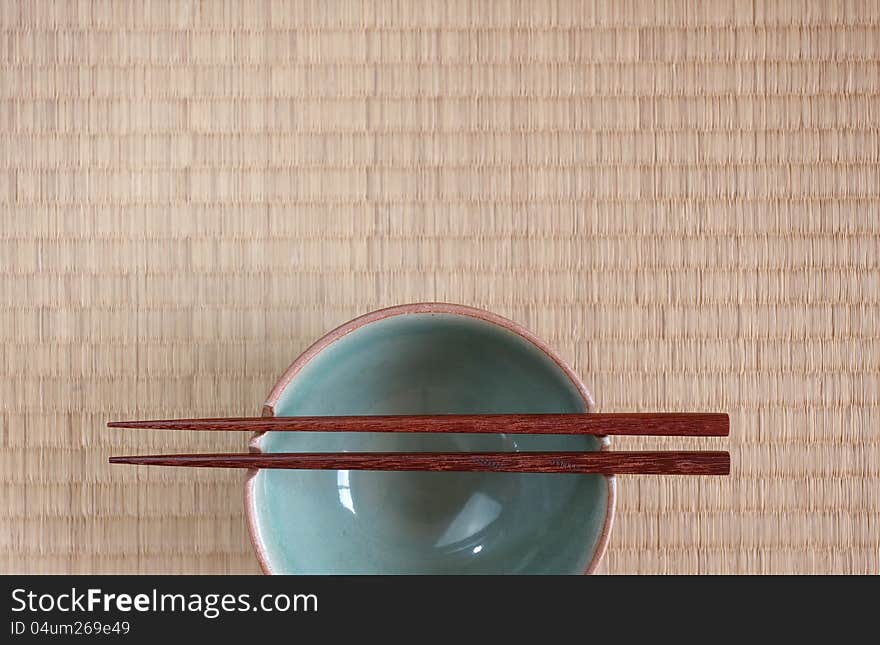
x=383, y=522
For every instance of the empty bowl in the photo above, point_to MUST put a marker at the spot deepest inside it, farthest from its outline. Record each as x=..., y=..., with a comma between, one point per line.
x=428, y=358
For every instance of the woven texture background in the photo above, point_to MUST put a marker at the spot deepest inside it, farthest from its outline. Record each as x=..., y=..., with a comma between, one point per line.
x=682, y=197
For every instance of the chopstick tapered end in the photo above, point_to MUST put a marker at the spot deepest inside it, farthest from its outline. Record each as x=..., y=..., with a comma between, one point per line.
x=136, y=460
x=124, y=424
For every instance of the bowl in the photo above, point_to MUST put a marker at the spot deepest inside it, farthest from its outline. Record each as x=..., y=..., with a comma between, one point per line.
x=427, y=358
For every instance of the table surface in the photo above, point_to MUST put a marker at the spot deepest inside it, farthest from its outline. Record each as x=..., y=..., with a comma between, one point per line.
x=680, y=197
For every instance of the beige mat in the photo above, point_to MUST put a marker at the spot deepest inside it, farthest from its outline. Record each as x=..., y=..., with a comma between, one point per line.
x=681, y=196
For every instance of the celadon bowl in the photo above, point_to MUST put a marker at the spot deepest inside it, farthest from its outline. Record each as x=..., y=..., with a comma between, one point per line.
x=428, y=358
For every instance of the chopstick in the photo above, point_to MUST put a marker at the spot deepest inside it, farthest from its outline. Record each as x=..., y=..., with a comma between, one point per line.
x=676, y=424
x=606, y=463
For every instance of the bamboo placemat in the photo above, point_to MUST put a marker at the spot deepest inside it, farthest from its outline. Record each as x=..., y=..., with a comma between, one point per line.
x=681, y=196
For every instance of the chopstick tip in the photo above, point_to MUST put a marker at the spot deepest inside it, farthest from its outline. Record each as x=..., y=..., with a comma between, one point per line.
x=123, y=460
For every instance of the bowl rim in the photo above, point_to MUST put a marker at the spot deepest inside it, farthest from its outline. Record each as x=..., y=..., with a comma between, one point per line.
x=418, y=308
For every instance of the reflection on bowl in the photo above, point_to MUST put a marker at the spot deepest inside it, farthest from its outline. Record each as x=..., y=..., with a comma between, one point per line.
x=427, y=359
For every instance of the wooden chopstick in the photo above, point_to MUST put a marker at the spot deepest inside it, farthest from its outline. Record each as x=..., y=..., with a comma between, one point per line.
x=690, y=424
x=606, y=463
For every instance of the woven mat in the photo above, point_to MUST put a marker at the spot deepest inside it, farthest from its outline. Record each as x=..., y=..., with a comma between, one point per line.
x=683, y=197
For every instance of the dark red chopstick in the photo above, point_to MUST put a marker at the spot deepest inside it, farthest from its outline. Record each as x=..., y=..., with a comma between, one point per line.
x=676, y=424
x=607, y=463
